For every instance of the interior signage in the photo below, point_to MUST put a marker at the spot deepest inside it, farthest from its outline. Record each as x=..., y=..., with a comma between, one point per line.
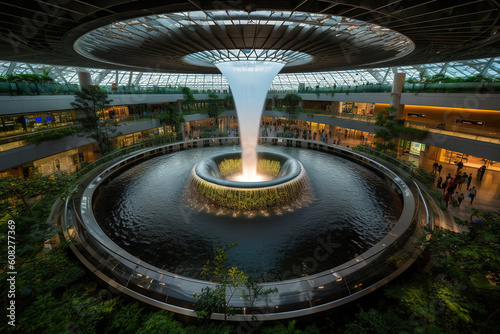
x=417, y=115
x=469, y=122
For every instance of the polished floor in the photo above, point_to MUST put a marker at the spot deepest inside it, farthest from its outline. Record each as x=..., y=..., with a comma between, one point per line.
x=488, y=189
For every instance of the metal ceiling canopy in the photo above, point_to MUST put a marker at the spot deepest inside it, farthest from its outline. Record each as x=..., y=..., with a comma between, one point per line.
x=309, y=40
x=44, y=31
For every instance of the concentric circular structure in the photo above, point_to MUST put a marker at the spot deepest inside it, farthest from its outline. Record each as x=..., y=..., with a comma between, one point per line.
x=158, y=34
x=212, y=57
x=207, y=37
x=209, y=179
x=292, y=298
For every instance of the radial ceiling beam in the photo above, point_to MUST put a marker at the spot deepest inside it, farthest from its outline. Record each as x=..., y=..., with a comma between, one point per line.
x=444, y=68
x=386, y=74
x=57, y=70
x=376, y=74
x=487, y=66
x=102, y=74
x=11, y=68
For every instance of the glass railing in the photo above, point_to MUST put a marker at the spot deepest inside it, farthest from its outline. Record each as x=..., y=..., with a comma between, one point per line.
x=305, y=295
x=458, y=131
x=345, y=115
x=20, y=138
x=447, y=87
x=24, y=88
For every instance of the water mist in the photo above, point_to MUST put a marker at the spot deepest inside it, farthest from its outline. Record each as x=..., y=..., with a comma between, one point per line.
x=249, y=82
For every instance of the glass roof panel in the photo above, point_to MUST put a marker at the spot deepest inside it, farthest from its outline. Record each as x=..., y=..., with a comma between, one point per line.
x=283, y=82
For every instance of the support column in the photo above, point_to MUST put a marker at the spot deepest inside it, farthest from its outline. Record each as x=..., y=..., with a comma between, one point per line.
x=84, y=77
x=397, y=89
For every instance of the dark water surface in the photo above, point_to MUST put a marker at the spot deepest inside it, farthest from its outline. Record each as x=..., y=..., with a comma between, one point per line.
x=143, y=210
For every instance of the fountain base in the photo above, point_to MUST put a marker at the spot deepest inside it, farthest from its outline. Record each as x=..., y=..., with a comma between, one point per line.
x=213, y=180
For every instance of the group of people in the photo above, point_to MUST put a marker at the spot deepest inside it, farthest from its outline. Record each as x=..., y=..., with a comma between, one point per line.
x=450, y=184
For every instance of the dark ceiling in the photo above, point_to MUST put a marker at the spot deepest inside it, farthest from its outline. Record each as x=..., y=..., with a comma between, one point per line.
x=44, y=31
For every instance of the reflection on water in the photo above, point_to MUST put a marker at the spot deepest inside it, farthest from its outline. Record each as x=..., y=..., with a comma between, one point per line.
x=143, y=211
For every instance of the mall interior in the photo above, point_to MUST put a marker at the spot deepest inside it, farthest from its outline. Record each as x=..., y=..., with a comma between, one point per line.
x=436, y=62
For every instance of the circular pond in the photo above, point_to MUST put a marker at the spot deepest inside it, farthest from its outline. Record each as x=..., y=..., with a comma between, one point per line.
x=145, y=211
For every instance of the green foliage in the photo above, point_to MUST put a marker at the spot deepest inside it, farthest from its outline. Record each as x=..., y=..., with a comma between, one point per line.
x=458, y=297
x=76, y=311
x=374, y=321
x=215, y=107
x=286, y=134
x=392, y=128
x=187, y=105
x=209, y=301
x=14, y=192
x=126, y=320
x=229, y=167
x=268, y=167
x=211, y=132
x=441, y=78
x=48, y=271
x=159, y=323
x=423, y=176
x=92, y=102
x=39, y=137
x=438, y=195
x=31, y=78
x=291, y=102
x=170, y=116
x=463, y=255
x=437, y=304
x=229, y=279
x=264, y=166
x=255, y=199
x=289, y=329
x=254, y=292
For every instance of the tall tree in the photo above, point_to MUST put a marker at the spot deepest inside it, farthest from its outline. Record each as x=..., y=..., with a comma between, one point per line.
x=215, y=107
x=170, y=116
x=391, y=128
x=291, y=102
x=93, y=101
x=189, y=100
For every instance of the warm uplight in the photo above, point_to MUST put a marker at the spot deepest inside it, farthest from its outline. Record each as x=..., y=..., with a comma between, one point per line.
x=245, y=178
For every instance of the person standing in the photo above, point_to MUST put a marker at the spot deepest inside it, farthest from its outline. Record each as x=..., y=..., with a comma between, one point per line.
x=460, y=165
x=460, y=199
x=472, y=194
x=469, y=180
x=463, y=179
x=439, y=182
x=482, y=171
x=434, y=167
x=440, y=168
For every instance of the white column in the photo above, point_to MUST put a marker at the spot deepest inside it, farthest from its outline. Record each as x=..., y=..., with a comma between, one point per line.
x=397, y=89
x=84, y=77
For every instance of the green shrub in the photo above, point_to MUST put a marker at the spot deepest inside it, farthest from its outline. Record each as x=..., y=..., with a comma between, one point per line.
x=40, y=137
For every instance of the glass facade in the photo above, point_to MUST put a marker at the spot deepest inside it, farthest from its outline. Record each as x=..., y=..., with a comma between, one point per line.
x=489, y=67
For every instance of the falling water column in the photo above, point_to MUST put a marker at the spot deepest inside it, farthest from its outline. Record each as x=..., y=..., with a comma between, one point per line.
x=249, y=82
